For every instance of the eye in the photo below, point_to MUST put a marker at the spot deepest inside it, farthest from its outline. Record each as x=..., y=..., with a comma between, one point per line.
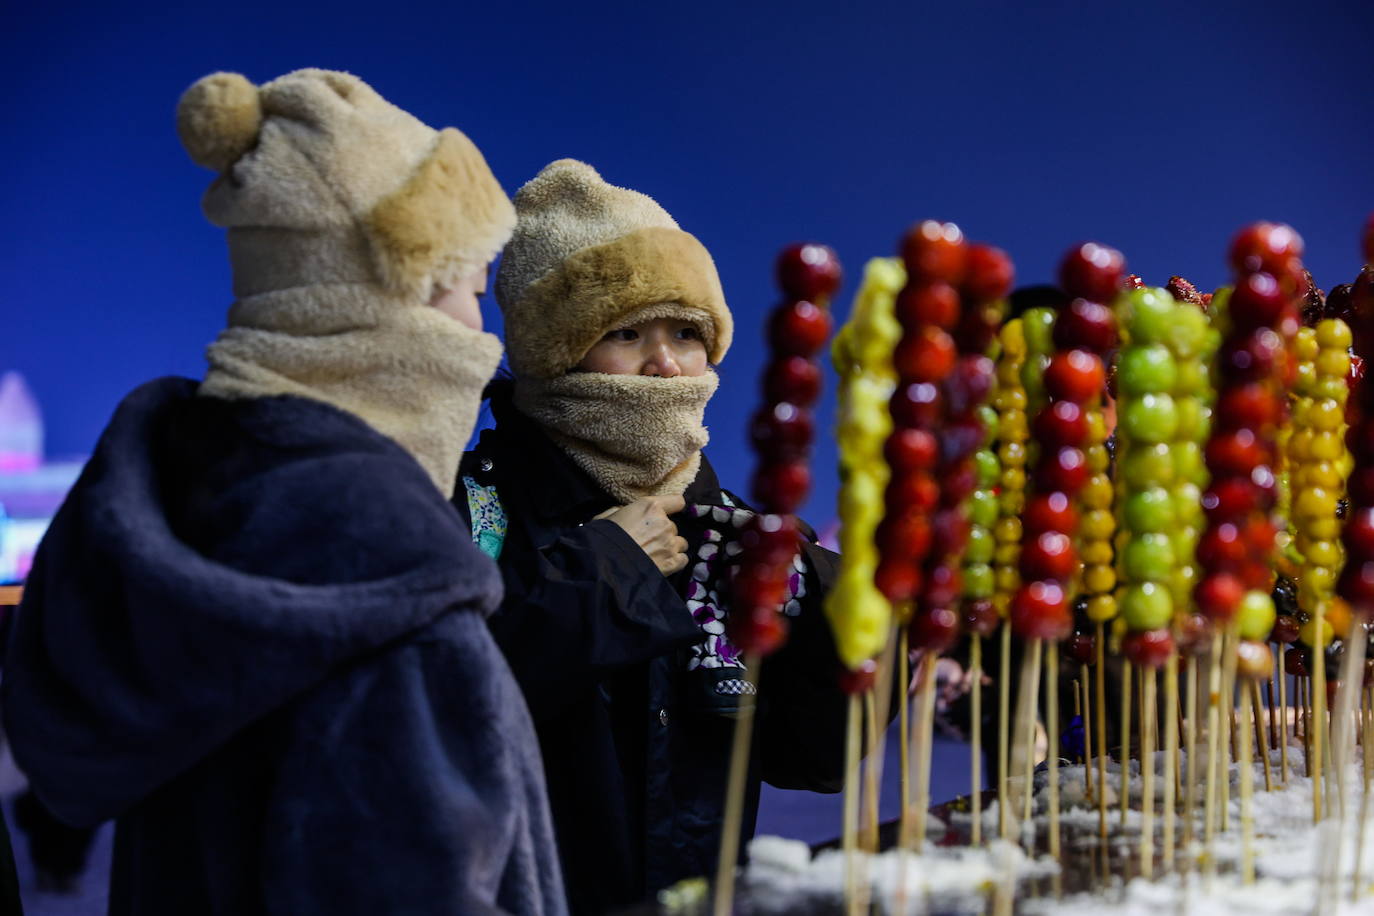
x=688, y=333
x=624, y=335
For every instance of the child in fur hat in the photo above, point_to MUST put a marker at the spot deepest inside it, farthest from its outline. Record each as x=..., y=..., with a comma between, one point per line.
x=255, y=633
x=615, y=540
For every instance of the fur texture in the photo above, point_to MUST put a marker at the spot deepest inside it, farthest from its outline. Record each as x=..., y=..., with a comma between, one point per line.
x=218, y=119
x=450, y=219
x=410, y=373
x=634, y=435
x=563, y=209
x=586, y=253
x=653, y=272
x=334, y=166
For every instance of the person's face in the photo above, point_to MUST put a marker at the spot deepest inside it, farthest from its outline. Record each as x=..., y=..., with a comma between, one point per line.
x=461, y=302
x=666, y=347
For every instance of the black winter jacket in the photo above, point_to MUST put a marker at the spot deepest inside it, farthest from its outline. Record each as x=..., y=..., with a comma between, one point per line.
x=254, y=635
x=597, y=638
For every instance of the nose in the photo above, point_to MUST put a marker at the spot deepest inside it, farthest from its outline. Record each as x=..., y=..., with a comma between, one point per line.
x=660, y=361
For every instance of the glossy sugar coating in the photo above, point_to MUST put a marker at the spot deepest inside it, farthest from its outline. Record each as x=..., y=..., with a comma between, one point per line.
x=1147, y=379
x=1316, y=479
x=859, y=614
x=1009, y=400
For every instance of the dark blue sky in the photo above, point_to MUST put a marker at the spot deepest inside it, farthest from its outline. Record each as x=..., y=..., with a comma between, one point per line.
x=1159, y=128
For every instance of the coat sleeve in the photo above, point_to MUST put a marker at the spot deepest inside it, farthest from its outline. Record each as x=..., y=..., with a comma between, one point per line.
x=803, y=710
x=412, y=783
x=589, y=602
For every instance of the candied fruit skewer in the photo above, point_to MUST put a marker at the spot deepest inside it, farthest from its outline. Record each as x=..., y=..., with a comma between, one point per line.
x=987, y=280
x=859, y=614
x=1076, y=461
x=1038, y=330
x=1013, y=433
x=809, y=275
x=1320, y=464
x=1355, y=584
x=936, y=396
x=856, y=608
x=1191, y=343
x=1154, y=539
x=1236, y=551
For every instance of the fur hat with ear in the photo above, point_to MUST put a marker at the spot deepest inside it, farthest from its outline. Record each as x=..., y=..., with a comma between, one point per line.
x=324, y=181
x=587, y=256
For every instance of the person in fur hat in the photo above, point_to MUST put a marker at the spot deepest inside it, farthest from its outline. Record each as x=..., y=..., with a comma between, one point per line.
x=255, y=632
x=616, y=540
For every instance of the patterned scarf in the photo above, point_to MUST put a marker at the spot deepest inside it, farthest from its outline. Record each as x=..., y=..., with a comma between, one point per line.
x=714, y=664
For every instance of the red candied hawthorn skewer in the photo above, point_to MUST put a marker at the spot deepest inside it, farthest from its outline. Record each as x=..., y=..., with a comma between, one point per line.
x=988, y=277
x=1235, y=551
x=1091, y=277
x=781, y=434
x=927, y=308
x=1356, y=584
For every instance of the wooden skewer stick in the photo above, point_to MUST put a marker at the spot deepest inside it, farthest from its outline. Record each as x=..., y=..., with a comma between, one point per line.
x=1228, y=695
x=1190, y=745
x=1209, y=823
x=976, y=744
x=876, y=703
x=1125, y=738
x=1318, y=712
x=1023, y=748
x=1343, y=716
x=1100, y=675
x=868, y=834
x=1304, y=714
x=1004, y=733
x=924, y=733
x=1283, y=713
x=1148, y=716
x=1087, y=735
x=849, y=827
x=1262, y=743
x=1247, y=791
x=734, y=790
x=903, y=730
x=1170, y=755
x=1176, y=726
x=1028, y=797
x=1367, y=726
x=1078, y=714
x=1052, y=738
x=1269, y=704
x=1342, y=757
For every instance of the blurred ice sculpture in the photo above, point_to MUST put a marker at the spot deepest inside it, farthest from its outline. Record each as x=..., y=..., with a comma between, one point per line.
x=21, y=426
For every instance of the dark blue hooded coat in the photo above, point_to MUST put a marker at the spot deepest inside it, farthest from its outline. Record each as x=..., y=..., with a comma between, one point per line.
x=255, y=635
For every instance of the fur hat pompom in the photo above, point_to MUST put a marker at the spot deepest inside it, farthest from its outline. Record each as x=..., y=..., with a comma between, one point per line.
x=218, y=119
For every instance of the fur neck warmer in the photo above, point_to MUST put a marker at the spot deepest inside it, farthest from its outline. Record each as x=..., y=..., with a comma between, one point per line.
x=635, y=435
x=410, y=372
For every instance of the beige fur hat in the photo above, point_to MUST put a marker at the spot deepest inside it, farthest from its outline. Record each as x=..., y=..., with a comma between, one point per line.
x=324, y=181
x=587, y=255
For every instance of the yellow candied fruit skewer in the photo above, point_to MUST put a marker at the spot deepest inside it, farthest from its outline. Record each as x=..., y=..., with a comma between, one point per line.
x=859, y=614
x=1318, y=468
x=1098, y=576
x=1013, y=434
